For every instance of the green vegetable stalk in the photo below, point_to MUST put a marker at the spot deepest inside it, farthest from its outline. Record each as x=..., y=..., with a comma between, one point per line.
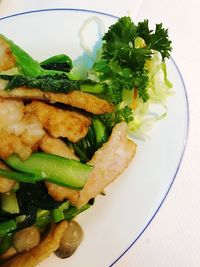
x=52, y=168
x=6, y=243
x=7, y=227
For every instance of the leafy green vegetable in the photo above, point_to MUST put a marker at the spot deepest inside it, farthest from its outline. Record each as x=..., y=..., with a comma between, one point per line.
x=7, y=227
x=157, y=40
x=31, y=198
x=141, y=81
x=111, y=119
x=100, y=133
x=116, y=79
x=59, y=62
x=36, y=195
x=58, y=213
x=47, y=83
x=81, y=149
x=143, y=31
x=86, y=147
x=6, y=243
x=122, y=64
x=57, y=83
x=90, y=86
x=43, y=219
x=125, y=52
x=118, y=45
x=73, y=211
x=118, y=42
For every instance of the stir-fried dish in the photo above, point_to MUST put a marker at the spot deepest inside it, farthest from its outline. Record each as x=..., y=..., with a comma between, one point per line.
x=64, y=138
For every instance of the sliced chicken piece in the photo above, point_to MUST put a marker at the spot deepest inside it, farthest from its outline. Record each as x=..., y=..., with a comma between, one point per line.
x=109, y=162
x=20, y=132
x=77, y=99
x=46, y=247
x=21, y=92
x=59, y=193
x=5, y=184
x=33, y=131
x=11, y=143
x=11, y=112
x=60, y=123
x=82, y=100
x=7, y=60
x=57, y=147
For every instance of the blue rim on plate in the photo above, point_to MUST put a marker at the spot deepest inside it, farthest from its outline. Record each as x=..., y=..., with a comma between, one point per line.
x=187, y=109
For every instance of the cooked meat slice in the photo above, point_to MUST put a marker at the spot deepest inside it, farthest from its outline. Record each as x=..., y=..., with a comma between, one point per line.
x=21, y=92
x=60, y=123
x=76, y=99
x=109, y=162
x=11, y=143
x=46, y=247
x=7, y=60
x=11, y=112
x=33, y=130
x=59, y=193
x=56, y=146
x=82, y=100
x=20, y=132
x=5, y=184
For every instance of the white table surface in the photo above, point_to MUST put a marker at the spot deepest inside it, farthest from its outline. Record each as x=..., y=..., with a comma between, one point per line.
x=173, y=238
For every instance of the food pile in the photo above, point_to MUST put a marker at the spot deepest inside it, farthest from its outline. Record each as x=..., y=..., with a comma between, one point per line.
x=64, y=139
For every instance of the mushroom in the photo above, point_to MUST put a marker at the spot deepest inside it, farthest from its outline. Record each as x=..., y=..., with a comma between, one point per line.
x=70, y=240
x=26, y=239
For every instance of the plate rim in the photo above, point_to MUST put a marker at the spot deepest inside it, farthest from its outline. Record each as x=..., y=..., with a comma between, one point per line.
x=185, y=141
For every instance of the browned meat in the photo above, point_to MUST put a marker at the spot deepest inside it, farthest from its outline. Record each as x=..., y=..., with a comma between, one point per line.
x=21, y=92
x=109, y=162
x=76, y=99
x=19, y=132
x=60, y=123
x=57, y=147
x=60, y=193
x=82, y=100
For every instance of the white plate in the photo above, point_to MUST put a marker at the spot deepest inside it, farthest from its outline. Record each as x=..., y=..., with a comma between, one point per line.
x=116, y=221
